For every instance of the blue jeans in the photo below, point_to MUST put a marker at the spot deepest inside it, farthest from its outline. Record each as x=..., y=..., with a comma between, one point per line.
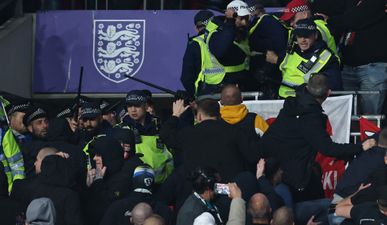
x=283, y=191
x=370, y=77
x=317, y=208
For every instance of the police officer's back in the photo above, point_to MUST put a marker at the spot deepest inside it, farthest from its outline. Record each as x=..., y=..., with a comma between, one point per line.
x=192, y=61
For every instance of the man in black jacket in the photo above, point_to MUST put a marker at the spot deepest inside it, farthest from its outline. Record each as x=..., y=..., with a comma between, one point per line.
x=299, y=133
x=211, y=142
x=107, y=181
x=54, y=181
x=363, y=167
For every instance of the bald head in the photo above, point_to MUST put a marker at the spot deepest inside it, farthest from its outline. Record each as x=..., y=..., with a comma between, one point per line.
x=140, y=213
x=259, y=207
x=154, y=220
x=231, y=95
x=283, y=216
x=43, y=153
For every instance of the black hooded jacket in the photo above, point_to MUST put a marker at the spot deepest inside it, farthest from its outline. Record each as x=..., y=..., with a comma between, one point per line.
x=114, y=185
x=63, y=139
x=296, y=136
x=30, y=150
x=54, y=182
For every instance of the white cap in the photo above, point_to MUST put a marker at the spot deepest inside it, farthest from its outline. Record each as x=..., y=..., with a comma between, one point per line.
x=204, y=219
x=240, y=7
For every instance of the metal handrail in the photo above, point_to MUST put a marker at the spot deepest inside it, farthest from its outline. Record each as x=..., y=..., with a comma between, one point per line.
x=256, y=95
x=355, y=92
x=355, y=96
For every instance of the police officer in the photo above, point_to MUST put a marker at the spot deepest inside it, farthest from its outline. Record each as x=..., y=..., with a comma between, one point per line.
x=300, y=9
x=10, y=154
x=108, y=112
x=226, y=60
x=266, y=32
x=308, y=57
x=146, y=129
x=94, y=126
x=36, y=122
x=192, y=61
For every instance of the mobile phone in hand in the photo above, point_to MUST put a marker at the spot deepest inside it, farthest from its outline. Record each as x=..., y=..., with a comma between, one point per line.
x=221, y=189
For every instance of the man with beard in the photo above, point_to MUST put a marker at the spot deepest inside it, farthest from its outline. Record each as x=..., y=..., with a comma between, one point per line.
x=36, y=122
x=93, y=125
x=226, y=59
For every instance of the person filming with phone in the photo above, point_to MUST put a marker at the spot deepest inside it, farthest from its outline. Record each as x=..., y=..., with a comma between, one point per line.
x=201, y=200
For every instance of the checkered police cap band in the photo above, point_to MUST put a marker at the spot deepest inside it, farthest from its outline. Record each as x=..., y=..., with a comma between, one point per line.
x=87, y=111
x=65, y=113
x=296, y=9
x=39, y=113
x=300, y=8
x=305, y=27
x=205, y=22
x=104, y=105
x=252, y=8
x=136, y=98
x=236, y=8
x=18, y=108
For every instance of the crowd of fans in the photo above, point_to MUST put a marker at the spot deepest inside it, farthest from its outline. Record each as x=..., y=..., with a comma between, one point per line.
x=212, y=162
x=90, y=165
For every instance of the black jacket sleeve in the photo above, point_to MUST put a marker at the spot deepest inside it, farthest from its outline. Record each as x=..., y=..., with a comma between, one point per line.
x=191, y=67
x=271, y=36
x=72, y=214
x=169, y=133
x=266, y=188
x=222, y=39
x=248, y=145
x=358, y=16
x=316, y=135
x=333, y=73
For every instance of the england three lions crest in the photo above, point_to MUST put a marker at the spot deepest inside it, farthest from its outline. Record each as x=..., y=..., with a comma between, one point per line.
x=118, y=48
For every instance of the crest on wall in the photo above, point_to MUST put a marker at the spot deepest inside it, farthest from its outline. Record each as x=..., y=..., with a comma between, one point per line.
x=118, y=48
